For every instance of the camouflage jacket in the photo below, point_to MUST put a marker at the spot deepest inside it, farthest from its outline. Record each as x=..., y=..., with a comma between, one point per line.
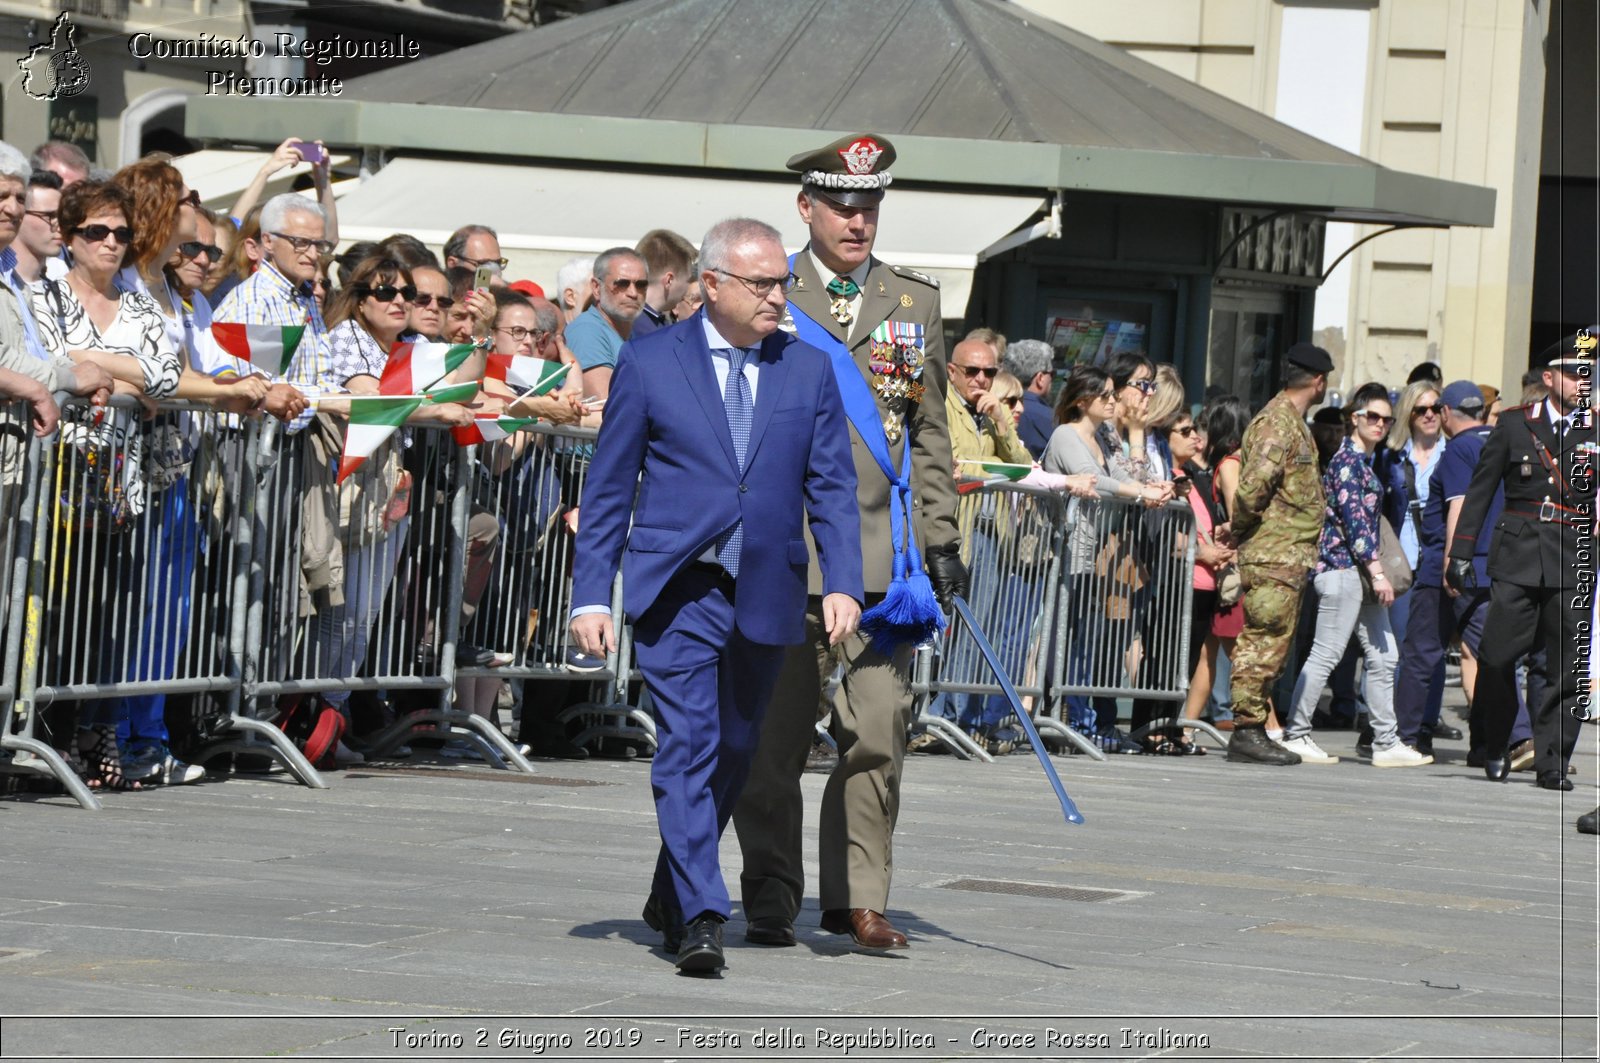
x=1279, y=507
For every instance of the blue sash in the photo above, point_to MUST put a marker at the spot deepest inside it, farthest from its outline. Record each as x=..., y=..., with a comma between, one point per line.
x=909, y=612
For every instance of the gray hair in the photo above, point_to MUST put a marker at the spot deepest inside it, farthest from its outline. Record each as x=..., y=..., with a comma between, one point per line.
x=723, y=238
x=456, y=246
x=545, y=315
x=277, y=210
x=13, y=163
x=602, y=261
x=1026, y=359
x=574, y=273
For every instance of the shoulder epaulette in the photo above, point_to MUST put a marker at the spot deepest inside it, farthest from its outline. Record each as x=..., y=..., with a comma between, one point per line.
x=912, y=275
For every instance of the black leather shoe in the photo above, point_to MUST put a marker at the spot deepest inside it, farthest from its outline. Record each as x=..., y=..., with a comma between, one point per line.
x=1252, y=746
x=1589, y=823
x=772, y=930
x=1554, y=780
x=1440, y=729
x=1498, y=769
x=668, y=921
x=701, y=951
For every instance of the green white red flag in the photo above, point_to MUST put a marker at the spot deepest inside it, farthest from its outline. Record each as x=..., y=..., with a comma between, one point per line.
x=270, y=348
x=414, y=366
x=1010, y=470
x=374, y=419
x=531, y=376
x=491, y=429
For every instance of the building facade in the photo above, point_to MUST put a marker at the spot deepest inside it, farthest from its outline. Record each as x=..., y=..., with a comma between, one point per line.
x=1446, y=88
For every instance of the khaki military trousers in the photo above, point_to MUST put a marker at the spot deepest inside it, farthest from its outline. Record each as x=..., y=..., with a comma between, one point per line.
x=861, y=800
x=1271, y=613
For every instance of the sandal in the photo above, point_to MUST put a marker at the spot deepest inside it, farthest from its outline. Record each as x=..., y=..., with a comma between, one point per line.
x=1159, y=746
x=103, y=760
x=1187, y=747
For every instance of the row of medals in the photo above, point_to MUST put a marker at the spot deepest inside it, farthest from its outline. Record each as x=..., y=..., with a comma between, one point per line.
x=895, y=370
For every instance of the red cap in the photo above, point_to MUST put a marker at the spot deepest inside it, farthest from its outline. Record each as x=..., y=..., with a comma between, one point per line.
x=528, y=288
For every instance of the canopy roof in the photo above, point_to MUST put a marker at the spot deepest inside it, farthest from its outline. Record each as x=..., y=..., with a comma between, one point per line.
x=973, y=92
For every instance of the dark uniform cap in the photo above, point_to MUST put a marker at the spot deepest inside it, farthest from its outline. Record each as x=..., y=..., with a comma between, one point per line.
x=1578, y=347
x=1463, y=396
x=852, y=171
x=1310, y=357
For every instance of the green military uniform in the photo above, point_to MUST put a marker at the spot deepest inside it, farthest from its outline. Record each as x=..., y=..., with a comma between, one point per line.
x=1278, y=514
x=892, y=326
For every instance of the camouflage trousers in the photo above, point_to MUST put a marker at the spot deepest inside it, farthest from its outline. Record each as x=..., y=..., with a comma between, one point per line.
x=1271, y=611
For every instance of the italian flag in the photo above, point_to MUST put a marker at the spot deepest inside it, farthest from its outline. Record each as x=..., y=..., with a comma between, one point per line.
x=533, y=376
x=373, y=420
x=1010, y=470
x=415, y=366
x=270, y=348
x=491, y=429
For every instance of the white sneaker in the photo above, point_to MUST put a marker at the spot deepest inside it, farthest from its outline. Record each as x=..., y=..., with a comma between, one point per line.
x=1310, y=752
x=1276, y=734
x=1399, y=755
x=345, y=755
x=174, y=772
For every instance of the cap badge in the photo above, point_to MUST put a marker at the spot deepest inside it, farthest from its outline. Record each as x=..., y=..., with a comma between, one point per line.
x=861, y=156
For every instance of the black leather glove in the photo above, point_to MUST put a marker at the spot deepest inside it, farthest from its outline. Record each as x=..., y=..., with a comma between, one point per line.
x=1460, y=575
x=947, y=573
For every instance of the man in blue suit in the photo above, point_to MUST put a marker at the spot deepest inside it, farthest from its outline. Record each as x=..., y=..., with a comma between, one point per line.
x=720, y=433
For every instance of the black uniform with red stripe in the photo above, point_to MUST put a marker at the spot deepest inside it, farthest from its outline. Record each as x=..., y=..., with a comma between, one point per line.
x=1540, y=570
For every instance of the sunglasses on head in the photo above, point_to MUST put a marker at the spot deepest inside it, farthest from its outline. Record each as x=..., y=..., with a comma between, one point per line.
x=385, y=293
x=95, y=233
x=193, y=249
x=426, y=299
x=1436, y=409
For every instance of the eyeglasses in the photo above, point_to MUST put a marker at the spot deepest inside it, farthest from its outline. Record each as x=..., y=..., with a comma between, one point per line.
x=761, y=286
x=193, y=249
x=518, y=333
x=385, y=293
x=95, y=233
x=191, y=200
x=1186, y=431
x=1373, y=418
x=990, y=371
x=301, y=243
x=46, y=216
x=476, y=263
x=1437, y=409
x=427, y=299
x=1013, y=400
x=1146, y=386
x=641, y=286
x=1107, y=396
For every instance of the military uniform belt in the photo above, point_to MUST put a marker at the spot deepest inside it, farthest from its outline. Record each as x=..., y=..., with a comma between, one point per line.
x=1550, y=513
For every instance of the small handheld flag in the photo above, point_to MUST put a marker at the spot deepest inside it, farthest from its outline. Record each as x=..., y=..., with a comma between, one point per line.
x=270, y=348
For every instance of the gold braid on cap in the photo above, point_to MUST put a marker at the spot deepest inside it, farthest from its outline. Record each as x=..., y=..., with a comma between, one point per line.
x=846, y=182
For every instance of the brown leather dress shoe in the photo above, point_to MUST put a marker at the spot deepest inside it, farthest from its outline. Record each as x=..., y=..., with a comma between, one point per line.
x=869, y=928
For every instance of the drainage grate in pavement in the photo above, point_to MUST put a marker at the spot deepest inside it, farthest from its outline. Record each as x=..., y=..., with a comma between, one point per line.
x=476, y=774
x=1034, y=889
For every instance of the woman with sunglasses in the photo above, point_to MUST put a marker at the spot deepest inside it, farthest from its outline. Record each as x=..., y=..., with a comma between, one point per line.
x=1350, y=538
x=367, y=317
x=1084, y=442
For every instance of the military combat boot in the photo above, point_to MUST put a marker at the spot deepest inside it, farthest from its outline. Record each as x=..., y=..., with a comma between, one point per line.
x=1251, y=744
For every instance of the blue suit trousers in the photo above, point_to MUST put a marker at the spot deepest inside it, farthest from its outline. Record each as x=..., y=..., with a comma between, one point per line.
x=711, y=686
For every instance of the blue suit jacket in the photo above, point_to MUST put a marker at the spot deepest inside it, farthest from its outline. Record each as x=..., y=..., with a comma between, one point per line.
x=665, y=459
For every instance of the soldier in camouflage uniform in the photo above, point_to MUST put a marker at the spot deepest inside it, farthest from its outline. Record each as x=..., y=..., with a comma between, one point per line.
x=1276, y=520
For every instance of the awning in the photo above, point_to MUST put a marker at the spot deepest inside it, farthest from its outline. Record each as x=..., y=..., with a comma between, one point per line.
x=546, y=215
x=221, y=175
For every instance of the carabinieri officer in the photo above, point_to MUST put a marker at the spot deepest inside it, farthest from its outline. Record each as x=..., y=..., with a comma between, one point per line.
x=1541, y=567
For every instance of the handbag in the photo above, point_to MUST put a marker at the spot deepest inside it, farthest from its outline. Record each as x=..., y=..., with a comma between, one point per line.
x=1230, y=585
x=1390, y=555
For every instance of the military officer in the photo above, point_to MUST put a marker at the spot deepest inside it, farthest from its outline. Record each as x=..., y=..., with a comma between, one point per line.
x=1277, y=518
x=882, y=326
x=1541, y=567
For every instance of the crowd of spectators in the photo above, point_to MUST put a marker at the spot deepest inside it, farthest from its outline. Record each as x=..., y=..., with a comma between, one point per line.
x=117, y=278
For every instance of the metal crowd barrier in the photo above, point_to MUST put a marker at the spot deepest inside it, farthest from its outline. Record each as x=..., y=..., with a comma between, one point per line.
x=199, y=553
x=1080, y=597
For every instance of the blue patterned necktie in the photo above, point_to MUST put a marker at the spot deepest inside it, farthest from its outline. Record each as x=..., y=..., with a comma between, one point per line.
x=736, y=403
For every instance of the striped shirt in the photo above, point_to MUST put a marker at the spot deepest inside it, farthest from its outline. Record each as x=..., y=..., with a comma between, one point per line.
x=267, y=298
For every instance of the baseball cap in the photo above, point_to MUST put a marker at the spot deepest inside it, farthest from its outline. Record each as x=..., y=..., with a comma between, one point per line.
x=1462, y=395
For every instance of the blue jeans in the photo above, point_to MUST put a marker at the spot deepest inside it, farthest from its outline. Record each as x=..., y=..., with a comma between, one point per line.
x=1342, y=611
x=339, y=634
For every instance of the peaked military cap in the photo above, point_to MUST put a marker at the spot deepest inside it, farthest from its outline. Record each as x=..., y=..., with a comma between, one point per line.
x=1571, y=350
x=853, y=170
